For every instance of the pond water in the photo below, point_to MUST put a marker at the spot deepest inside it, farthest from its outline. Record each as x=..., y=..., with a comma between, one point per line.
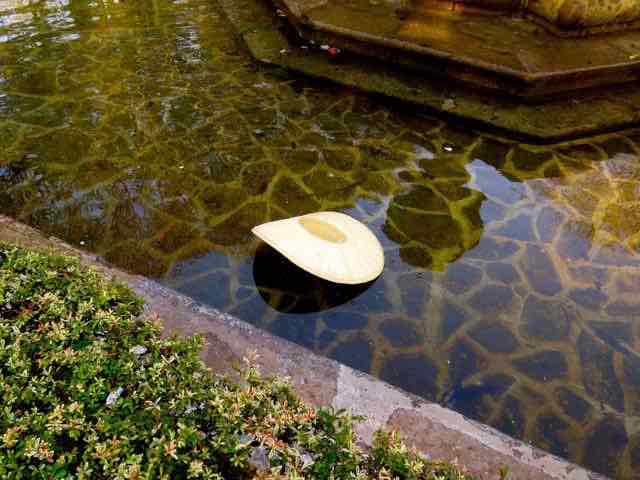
x=144, y=132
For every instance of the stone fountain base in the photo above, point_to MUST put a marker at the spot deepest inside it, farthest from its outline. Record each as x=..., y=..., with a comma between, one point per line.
x=544, y=89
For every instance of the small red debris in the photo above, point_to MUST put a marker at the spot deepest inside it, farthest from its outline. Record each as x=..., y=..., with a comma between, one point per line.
x=333, y=51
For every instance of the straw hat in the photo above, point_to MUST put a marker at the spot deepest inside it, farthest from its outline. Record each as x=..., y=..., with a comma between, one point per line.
x=330, y=245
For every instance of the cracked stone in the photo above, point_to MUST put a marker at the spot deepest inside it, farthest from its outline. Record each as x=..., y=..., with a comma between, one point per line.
x=453, y=317
x=548, y=222
x=400, y=333
x=540, y=271
x=414, y=373
x=552, y=429
x=463, y=361
x=604, y=446
x=543, y=366
x=546, y=319
x=494, y=337
x=356, y=353
x=598, y=371
x=345, y=320
x=518, y=228
x=573, y=405
x=490, y=249
x=502, y=272
x=492, y=298
x=590, y=298
x=460, y=277
x=511, y=420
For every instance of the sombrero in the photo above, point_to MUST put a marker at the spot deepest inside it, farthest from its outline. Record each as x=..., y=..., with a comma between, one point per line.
x=330, y=245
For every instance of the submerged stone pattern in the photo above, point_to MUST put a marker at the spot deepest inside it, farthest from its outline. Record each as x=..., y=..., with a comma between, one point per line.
x=509, y=291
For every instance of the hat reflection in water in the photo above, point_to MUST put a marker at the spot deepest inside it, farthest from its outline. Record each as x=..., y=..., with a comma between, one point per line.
x=330, y=245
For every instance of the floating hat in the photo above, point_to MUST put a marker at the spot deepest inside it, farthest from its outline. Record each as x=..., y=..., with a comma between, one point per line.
x=330, y=245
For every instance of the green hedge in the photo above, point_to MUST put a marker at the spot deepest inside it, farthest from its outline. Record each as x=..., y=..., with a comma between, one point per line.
x=91, y=390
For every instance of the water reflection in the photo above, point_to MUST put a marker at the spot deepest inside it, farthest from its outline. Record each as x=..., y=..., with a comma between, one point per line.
x=287, y=288
x=512, y=271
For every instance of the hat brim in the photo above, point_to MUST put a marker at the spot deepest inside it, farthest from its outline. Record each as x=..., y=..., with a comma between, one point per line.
x=330, y=245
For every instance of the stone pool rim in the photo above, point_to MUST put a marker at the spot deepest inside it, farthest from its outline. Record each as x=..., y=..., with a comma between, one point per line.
x=437, y=431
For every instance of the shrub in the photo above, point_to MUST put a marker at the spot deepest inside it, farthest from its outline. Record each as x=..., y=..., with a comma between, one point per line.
x=91, y=390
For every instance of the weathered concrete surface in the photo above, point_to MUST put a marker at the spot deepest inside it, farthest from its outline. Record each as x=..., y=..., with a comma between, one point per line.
x=549, y=120
x=494, y=49
x=572, y=14
x=437, y=431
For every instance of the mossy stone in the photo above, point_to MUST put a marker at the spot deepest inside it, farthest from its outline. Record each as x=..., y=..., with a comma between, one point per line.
x=237, y=228
x=377, y=157
x=329, y=185
x=257, y=176
x=175, y=238
x=493, y=152
x=135, y=258
x=66, y=146
x=452, y=190
x=300, y=160
x=423, y=198
x=435, y=231
x=377, y=183
x=340, y=159
x=292, y=198
x=219, y=167
x=529, y=160
x=443, y=166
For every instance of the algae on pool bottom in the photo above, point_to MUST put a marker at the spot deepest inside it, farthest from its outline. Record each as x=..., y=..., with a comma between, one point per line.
x=146, y=132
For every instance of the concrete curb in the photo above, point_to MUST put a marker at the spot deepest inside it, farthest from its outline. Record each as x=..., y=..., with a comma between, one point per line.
x=439, y=432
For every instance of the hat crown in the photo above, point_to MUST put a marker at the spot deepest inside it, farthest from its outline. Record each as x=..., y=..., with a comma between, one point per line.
x=323, y=230
x=330, y=245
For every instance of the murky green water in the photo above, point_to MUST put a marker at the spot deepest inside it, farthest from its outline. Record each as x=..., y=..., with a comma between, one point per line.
x=143, y=132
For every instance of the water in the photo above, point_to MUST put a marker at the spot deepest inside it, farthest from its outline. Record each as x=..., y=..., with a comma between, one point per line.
x=142, y=131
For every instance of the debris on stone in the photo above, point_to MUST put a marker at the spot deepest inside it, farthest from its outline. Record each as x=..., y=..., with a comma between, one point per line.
x=113, y=396
x=192, y=408
x=448, y=104
x=138, y=350
x=247, y=438
x=259, y=459
x=307, y=459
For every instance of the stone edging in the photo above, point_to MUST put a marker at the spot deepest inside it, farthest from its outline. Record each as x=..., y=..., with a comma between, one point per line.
x=439, y=432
